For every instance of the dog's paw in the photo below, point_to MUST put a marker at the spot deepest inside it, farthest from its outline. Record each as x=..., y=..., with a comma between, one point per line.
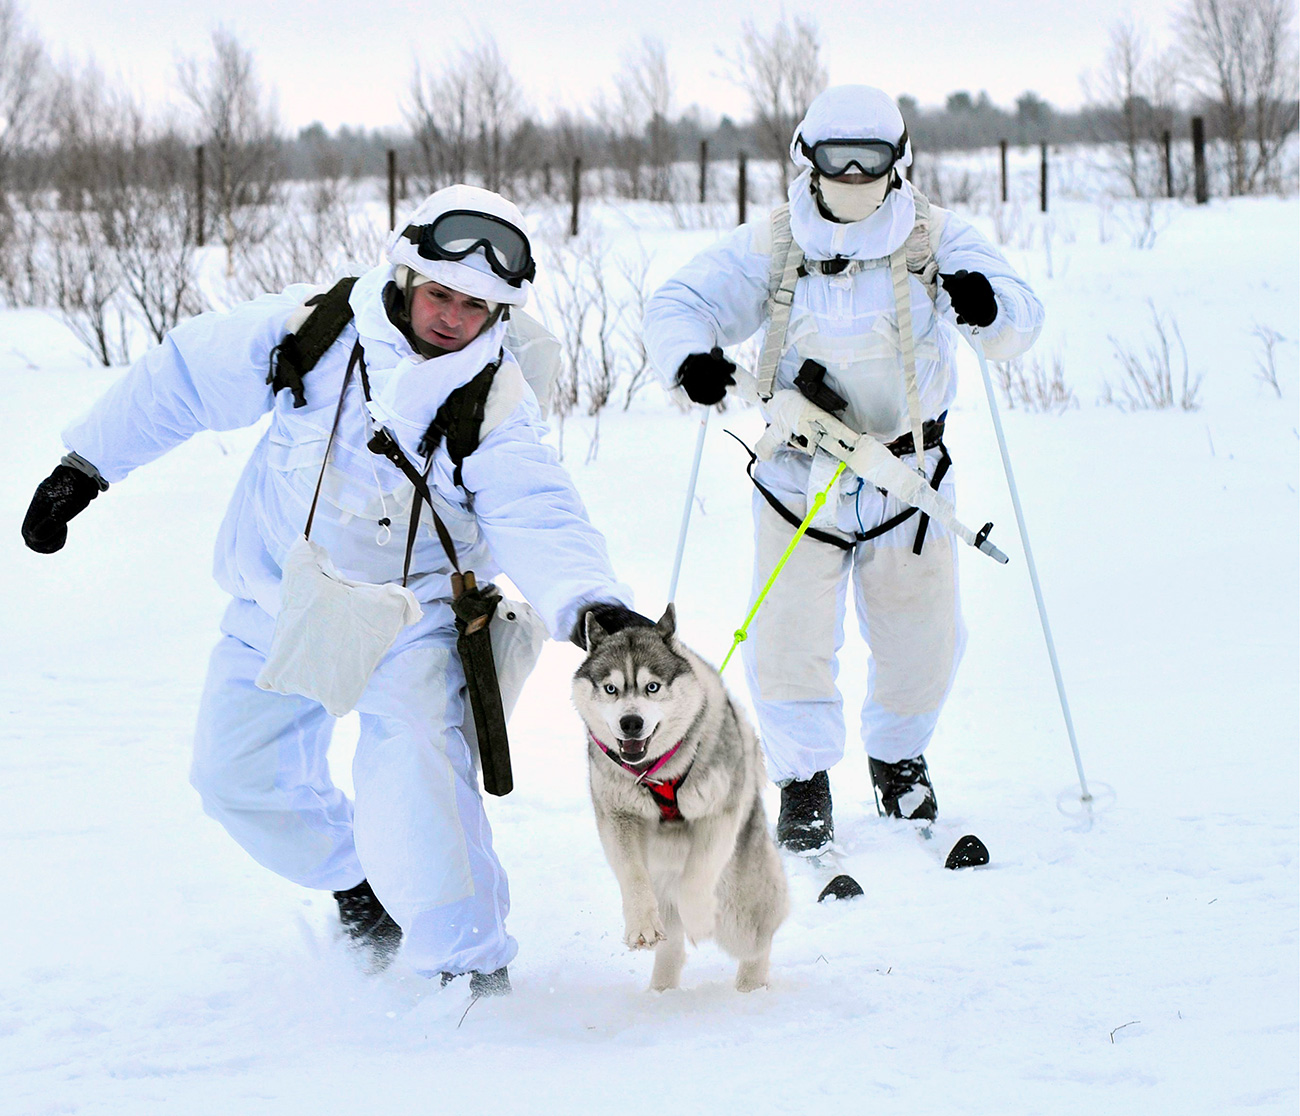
x=644, y=933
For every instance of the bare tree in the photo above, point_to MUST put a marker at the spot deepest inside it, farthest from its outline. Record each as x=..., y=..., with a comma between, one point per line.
x=464, y=116
x=782, y=72
x=22, y=69
x=440, y=115
x=497, y=98
x=1241, y=57
x=638, y=121
x=1133, y=96
x=239, y=128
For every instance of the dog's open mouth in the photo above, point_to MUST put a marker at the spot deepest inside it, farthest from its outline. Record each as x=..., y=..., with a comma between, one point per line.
x=633, y=751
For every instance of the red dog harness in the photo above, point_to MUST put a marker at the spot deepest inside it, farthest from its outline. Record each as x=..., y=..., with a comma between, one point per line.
x=663, y=791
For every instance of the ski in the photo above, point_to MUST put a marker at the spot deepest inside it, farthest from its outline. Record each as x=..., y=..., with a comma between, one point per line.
x=968, y=852
x=841, y=885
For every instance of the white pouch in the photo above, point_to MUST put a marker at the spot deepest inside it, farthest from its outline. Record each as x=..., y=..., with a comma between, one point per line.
x=331, y=631
x=517, y=633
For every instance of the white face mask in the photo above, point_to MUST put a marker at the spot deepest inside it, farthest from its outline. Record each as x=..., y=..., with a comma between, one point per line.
x=848, y=201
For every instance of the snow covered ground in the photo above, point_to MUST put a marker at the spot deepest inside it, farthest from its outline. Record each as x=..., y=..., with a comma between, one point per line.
x=1145, y=964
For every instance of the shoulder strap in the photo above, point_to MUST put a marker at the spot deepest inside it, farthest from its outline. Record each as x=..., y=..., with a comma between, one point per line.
x=922, y=242
x=308, y=337
x=460, y=420
x=787, y=257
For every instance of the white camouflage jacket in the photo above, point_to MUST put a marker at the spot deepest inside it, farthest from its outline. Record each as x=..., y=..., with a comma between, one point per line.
x=518, y=511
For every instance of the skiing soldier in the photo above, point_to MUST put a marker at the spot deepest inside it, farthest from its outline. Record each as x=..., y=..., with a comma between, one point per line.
x=831, y=276
x=413, y=858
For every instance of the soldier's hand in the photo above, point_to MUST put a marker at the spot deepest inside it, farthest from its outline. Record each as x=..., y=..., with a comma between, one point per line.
x=59, y=497
x=610, y=617
x=972, y=297
x=705, y=377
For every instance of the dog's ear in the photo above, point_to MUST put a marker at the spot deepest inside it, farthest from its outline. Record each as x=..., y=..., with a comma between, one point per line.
x=592, y=630
x=667, y=622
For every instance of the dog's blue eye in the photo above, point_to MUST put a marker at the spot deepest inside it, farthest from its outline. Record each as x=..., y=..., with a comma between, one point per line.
x=652, y=687
x=610, y=688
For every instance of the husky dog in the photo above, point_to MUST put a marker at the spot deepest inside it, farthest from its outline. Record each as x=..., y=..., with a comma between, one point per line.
x=675, y=779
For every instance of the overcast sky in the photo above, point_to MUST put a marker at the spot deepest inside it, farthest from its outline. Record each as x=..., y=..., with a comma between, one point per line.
x=349, y=63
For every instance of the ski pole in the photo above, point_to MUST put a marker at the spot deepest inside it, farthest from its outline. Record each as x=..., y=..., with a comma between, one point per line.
x=742, y=633
x=1086, y=797
x=690, y=500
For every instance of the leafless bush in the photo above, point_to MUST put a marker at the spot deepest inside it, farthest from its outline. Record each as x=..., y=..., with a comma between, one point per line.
x=82, y=281
x=322, y=235
x=1145, y=220
x=1038, y=386
x=595, y=304
x=1148, y=381
x=782, y=72
x=635, y=274
x=1266, y=362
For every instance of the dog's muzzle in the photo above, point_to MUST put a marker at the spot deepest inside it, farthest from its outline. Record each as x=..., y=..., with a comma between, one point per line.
x=633, y=751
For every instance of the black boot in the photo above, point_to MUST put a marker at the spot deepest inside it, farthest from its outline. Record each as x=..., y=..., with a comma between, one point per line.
x=903, y=789
x=370, y=927
x=805, y=824
x=485, y=984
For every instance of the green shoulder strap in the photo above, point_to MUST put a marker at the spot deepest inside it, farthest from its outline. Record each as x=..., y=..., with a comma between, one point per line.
x=327, y=316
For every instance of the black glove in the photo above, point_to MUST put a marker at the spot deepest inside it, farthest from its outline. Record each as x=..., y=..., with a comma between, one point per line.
x=972, y=297
x=610, y=616
x=60, y=496
x=706, y=376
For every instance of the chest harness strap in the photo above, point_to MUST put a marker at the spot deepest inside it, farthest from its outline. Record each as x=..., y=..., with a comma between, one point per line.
x=663, y=791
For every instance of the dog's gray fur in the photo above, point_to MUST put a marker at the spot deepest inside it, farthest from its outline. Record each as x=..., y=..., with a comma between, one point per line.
x=716, y=874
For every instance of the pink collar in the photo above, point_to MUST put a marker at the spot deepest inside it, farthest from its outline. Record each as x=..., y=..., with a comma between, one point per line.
x=641, y=776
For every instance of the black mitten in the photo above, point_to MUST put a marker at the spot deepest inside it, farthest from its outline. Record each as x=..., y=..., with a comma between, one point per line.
x=706, y=376
x=59, y=497
x=611, y=617
x=972, y=297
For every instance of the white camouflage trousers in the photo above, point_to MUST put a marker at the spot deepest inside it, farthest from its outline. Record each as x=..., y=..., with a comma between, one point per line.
x=417, y=831
x=909, y=614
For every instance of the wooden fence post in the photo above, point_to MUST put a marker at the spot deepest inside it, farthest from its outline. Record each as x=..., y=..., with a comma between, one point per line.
x=1167, y=140
x=575, y=195
x=200, y=193
x=1002, y=152
x=742, y=187
x=1042, y=180
x=704, y=169
x=392, y=188
x=1198, y=159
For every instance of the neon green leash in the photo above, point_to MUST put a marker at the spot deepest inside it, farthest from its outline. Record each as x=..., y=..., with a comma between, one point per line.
x=743, y=632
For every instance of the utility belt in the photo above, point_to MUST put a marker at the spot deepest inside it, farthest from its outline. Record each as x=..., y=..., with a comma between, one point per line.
x=902, y=446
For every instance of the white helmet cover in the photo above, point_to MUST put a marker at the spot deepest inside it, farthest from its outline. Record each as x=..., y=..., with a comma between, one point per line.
x=850, y=112
x=472, y=275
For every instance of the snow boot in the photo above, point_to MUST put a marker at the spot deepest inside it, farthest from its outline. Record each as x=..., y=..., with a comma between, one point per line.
x=903, y=789
x=485, y=984
x=370, y=927
x=804, y=824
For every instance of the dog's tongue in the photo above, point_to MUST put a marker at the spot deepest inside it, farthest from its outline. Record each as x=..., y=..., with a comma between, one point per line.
x=633, y=750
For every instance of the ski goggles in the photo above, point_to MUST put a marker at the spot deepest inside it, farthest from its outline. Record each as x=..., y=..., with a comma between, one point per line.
x=837, y=157
x=459, y=232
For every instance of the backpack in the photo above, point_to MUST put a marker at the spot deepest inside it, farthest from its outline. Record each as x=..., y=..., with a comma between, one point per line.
x=471, y=411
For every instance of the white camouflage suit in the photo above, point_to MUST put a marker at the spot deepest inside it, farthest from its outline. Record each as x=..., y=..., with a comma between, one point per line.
x=907, y=605
x=417, y=830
